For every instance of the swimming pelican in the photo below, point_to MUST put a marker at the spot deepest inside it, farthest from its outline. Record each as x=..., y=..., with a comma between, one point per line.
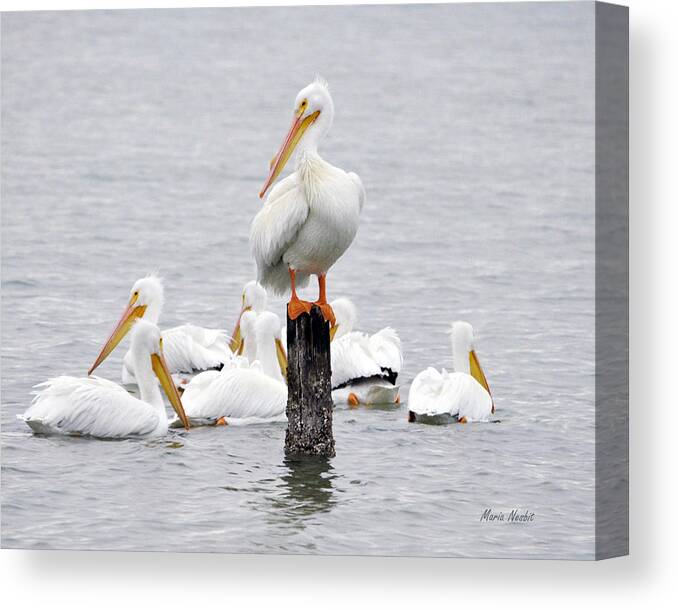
x=250, y=392
x=187, y=348
x=463, y=394
x=92, y=406
x=254, y=299
x=364, y=367
x=310, y=218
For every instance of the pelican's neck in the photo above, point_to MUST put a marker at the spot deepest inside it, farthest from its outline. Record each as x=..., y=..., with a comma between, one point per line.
x=153, y=311
x=346, y=326
x=148, y=386
x=266, y=353
x=307, y=149
x=308, y=161
x=258, y=303
x=460, y=353
x=250, y=349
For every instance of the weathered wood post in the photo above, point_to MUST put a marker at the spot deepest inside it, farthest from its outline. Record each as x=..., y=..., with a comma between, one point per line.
x=309, y=398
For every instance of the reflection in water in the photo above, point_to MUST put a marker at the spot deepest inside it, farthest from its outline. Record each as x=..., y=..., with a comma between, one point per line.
x=306, y=490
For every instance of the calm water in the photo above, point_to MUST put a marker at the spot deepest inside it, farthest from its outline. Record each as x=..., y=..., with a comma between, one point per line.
x=135, y=141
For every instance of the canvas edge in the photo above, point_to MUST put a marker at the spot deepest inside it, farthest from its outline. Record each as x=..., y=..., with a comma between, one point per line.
x=612, y=280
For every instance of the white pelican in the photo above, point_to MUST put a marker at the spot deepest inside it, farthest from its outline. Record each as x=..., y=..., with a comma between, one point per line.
x=364, y=367
x=251, y=392
x=310, y=218
x=187, y=348
x=463, y=394
x=92, y=406
x=254, y=299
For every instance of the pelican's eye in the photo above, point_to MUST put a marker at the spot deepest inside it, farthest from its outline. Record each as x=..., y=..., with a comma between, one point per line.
x=134, y=297
x=160, y=343
x=302, y=107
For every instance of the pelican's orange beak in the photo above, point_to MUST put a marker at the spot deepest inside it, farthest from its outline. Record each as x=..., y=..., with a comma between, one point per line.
x=236, y=337
x=129, y=316
x=299, y=125
x=478, y=374
x=282, y=357
x=161, y=371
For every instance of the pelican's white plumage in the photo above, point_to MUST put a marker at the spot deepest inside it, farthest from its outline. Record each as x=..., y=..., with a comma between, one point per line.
x=352, y=359
x=362, y=365
x=254, y=297
x=463, y=394
x=198, y=384
x=311, y=217
x=247, y=393
x=254, y=300
x=188, y=348
x=387, y=351
x=248, y=325
x=359, y=354
x=238, y=395
x=90, y=406
x=96, y=407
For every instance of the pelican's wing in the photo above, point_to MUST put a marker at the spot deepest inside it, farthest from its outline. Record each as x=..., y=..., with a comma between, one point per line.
x=89, y=406
x=198, y=384
x=387, y=350
x=351, y=359
x=428, y=393
x=282, y=187
x=471, y=400
x=240, y=393
x=359, y=185
x=207, y=337
x=190, y=348
x=274, y=230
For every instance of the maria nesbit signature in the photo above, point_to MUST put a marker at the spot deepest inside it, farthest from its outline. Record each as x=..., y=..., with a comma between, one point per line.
x=516, y=515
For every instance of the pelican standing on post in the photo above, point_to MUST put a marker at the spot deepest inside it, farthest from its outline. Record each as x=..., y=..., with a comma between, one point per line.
x=311, y=217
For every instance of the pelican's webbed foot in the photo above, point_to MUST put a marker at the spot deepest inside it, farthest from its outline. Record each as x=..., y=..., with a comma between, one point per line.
x=328, y=314
x=296, y=307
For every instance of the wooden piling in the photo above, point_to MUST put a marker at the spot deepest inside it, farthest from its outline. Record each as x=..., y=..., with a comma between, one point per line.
x=309, y=398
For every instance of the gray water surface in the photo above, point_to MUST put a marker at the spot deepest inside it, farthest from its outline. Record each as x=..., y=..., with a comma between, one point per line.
x=138, y=140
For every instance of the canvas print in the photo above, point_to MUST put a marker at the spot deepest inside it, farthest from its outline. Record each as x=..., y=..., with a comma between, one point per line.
x=327, y=280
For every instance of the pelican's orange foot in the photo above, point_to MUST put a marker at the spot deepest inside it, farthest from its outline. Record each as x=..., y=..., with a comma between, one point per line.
x=221, y=422
x=397, y=400
x=296, y=307
x=463, y=420
x=353, y=400
x=328, y=314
